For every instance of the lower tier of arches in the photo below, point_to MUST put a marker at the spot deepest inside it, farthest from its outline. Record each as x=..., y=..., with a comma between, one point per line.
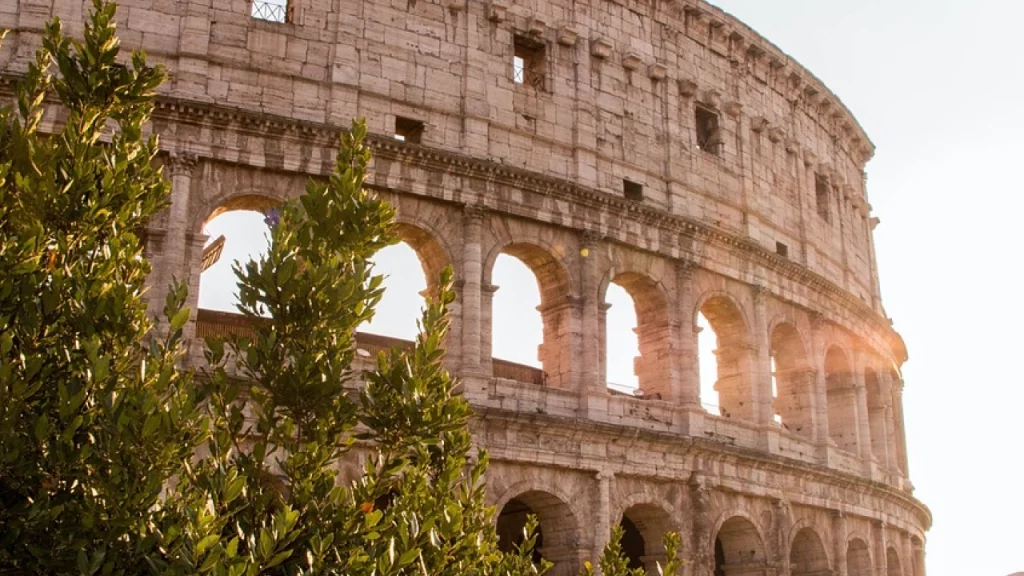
x=737, y=514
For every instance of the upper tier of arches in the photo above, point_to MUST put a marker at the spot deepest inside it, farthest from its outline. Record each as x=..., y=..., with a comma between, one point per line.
x=814, y=383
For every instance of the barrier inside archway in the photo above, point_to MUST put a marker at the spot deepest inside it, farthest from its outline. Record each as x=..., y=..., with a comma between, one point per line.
x=858, y=558
x=807, y=557
x=738, y=549
x=556, y=534
x=644, y=527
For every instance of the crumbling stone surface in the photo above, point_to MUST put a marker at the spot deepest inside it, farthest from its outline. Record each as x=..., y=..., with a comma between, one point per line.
x=661, y=145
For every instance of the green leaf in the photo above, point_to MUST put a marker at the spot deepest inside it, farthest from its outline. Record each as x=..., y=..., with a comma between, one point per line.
x=205, y=543
x=180, y=318
x=278, y=558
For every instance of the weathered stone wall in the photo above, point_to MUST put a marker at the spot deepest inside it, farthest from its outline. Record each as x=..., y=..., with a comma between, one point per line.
x=766, y=231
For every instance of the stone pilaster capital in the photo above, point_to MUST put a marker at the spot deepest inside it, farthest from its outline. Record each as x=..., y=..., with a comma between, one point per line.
x=474, y=212
x=590, y=238
x=604, y=475
x=181, y=163
x=818, y=321
x=685, y=269
x=760, y=292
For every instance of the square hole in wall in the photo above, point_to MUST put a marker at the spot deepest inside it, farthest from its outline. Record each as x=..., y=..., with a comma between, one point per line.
x=782, y=250
x=632, y=190
x=408, y=130
x=709, y=133
x=529, y=62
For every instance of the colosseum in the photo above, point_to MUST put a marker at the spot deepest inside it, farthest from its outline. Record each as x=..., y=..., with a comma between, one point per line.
x=660, y=145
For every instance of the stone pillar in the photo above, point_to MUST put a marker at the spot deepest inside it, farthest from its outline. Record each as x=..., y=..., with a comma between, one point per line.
x=783, y=524
x=881, y=547
x=820, y=392
x=602, y=354
x=487, y=329
x=602, y=514
x=180, y=168
x=686, y=337
x=472, y=266
x=919, y=559
x=761, y=378
x=901, y=432
x=592, y=331
x=907, y=564
x=863, y=419
x=703, y=554
x=839, y=538
x=194, y=244
x=891, y=459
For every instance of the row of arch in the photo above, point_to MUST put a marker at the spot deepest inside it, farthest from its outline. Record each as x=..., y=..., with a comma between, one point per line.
x=736, y=545
x=772, y=366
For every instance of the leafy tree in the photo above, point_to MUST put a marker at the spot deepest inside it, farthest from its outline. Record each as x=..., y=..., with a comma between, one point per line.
x=613, y=563
x=95, y=417
x=114, y=460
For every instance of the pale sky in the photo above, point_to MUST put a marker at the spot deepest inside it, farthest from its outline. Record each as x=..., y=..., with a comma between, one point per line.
x=938, y=87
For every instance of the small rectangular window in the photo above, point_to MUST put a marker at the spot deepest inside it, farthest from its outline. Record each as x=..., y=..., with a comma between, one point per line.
x=632, y=190
x=408, y=130
x=709, y=134
x=821, y=196
x=528, y=62
x=279, y=11
x=782, y=250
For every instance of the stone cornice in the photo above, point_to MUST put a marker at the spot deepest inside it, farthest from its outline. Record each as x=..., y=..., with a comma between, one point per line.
x=671, y=443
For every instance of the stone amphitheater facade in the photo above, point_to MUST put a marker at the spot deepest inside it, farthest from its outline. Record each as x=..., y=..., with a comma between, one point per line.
x=658, y=144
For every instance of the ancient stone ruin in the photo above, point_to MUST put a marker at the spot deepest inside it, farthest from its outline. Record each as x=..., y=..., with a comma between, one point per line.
x=661, y=145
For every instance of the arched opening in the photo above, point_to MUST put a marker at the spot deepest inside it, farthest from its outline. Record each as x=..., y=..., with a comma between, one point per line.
x=238, y=234
x=841, y=398
x=793, y=381
x=556, y=529
x=621, y=347
x=732, y=360
x=738, y=548
x=633, y=545
x=531, y=317
x=511, y=528
x=239, y=231
x=858, y=558
x=807, y=557
x=877, y=416
x=404, y=285
x=411, y=269
x=638, y=337
x=892, y=563
x=644, y=527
